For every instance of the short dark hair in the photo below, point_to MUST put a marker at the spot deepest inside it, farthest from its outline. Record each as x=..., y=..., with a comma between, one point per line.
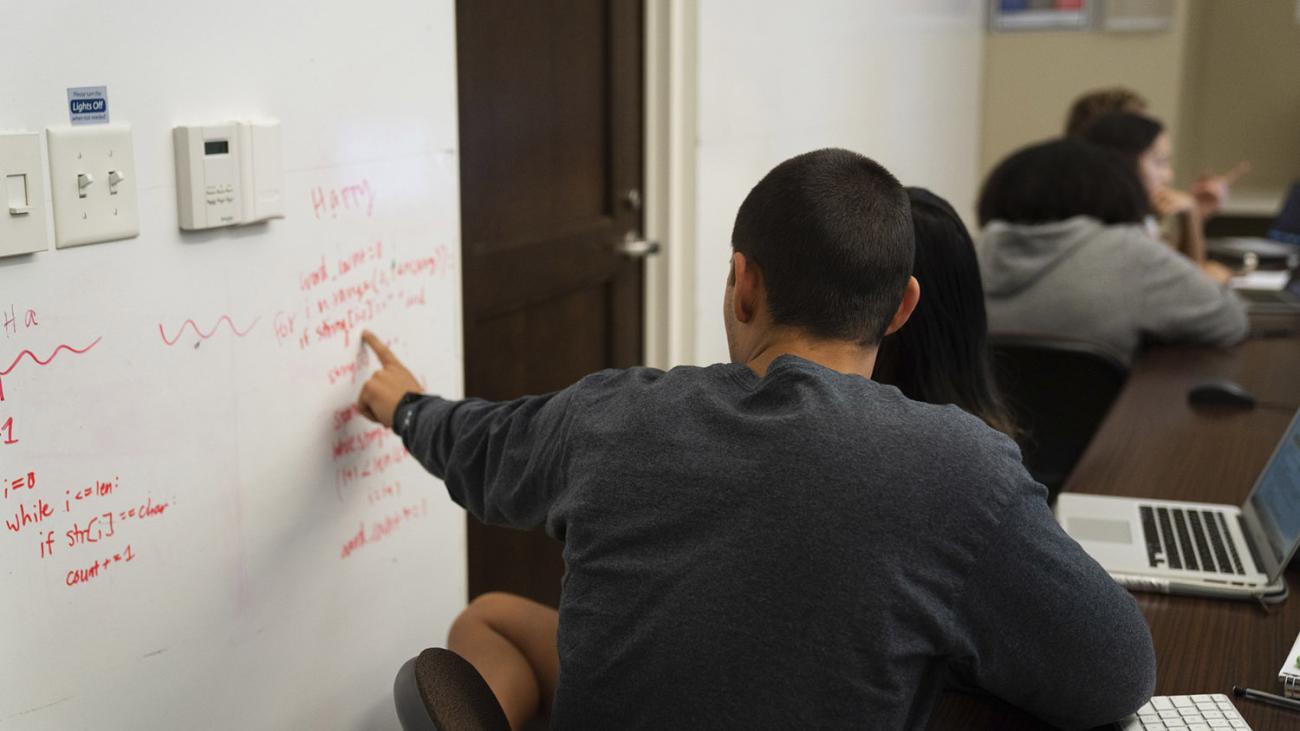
x=831, y=233
x=1100, y=102
x=941, y=355
x=1128, y=134
x=1059, y=179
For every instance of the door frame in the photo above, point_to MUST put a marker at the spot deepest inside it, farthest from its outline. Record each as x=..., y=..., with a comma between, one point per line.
x=671, y=101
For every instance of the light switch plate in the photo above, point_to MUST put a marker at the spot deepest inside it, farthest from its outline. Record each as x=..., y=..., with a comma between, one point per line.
x=22, y=195
x=100, y=210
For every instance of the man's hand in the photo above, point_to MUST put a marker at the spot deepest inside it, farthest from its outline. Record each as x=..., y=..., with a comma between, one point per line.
x=380, y=394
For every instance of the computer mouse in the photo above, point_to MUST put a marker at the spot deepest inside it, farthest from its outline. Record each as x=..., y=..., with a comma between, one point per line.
x=1220, y=393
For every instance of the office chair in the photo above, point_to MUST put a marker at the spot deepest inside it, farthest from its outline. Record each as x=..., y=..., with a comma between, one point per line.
x=439, y=690
x=1059, y=389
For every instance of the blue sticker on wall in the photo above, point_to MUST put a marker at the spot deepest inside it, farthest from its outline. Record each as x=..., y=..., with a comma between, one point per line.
x=88, y=105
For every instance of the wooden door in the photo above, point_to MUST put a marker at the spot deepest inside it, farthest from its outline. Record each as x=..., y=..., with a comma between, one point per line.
x=551, y=177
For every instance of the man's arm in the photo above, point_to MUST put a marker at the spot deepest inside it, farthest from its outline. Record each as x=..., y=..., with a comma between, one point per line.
x=501, y=461
x=1049, y=630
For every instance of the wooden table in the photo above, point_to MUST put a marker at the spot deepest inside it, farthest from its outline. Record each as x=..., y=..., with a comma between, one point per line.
x=1153, y=443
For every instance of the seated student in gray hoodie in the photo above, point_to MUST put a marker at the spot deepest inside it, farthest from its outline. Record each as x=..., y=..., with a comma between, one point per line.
x=1064, y=252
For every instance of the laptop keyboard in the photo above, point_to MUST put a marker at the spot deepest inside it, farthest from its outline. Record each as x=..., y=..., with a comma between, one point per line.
x=1196, y=540
x=1187, y=712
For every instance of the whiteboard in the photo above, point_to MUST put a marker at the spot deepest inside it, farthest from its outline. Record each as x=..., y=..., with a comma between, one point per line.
x=199, y=531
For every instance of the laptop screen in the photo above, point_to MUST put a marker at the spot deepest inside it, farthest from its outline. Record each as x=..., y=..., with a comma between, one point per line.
x=1286, y=228
x=1275, y=501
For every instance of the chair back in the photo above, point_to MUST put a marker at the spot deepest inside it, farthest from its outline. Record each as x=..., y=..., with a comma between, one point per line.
x=1058, y=389
x=439, y=690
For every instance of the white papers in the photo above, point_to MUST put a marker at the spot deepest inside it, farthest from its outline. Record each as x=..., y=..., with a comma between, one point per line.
x=1272, y=281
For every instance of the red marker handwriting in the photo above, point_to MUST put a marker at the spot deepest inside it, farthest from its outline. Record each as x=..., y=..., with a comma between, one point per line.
x=205, y=335
x=38, y=361
x=100, y=566
x=357, y=197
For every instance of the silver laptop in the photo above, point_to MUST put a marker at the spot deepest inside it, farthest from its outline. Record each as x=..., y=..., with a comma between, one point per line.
x=1281, y=250
x=1205, y=549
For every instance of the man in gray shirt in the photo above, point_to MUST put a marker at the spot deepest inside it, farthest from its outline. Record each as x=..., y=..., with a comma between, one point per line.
x=779, y=542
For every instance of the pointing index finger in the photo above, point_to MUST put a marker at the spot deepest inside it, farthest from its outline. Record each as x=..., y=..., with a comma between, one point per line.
x=1236, y=171
x=385, y=355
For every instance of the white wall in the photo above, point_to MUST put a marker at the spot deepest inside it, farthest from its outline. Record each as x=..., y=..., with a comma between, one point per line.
x=896, y=80
x=242, y=606
x=1032, y=77
x=1242, y=99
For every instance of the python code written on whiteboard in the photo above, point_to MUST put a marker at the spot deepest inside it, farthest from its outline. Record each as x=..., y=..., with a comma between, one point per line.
x=199, y=529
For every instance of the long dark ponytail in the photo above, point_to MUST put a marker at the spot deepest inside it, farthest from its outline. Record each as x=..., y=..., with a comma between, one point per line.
x=941, y=355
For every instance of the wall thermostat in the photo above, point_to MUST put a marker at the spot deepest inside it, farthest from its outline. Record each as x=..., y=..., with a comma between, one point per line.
x=228, y=174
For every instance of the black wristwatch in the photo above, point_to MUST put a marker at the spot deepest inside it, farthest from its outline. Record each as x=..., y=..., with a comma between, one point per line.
x=402, y=421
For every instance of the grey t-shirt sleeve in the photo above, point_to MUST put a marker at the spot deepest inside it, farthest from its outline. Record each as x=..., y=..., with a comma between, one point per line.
x=501, y=461
x=1179, y=303
x=1051, y=632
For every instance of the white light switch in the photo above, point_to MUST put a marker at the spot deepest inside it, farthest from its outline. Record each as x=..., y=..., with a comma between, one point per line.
x=92, y=173
x=22, y=217
x=16, y=193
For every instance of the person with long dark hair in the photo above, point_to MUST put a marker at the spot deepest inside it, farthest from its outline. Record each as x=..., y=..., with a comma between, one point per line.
x=1064, y=251
x=941, y=356
x=1209, y=189
x=1143, y=141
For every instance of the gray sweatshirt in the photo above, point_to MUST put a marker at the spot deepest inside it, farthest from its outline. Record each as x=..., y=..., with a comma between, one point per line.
x=804, y=550
x=1113, y=285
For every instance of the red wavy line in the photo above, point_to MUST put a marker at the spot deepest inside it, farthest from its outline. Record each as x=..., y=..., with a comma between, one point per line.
x=210, y=333
x=37, y=360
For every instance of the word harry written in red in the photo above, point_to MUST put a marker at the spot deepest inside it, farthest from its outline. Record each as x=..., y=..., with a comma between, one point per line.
x=352, y=198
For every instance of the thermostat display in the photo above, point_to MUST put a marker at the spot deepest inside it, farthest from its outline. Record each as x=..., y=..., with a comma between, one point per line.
x=228, y=174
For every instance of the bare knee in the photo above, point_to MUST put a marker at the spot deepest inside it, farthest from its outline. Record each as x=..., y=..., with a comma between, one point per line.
x=495, y=604
x=493, y=609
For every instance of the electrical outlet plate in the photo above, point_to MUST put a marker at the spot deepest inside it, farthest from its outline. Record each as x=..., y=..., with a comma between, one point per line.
x=22, y=195
x=92, y=182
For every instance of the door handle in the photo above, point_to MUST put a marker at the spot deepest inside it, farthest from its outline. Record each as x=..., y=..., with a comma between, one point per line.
x=637, y=248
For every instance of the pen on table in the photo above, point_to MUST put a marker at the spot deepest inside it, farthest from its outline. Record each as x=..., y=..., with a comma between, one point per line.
x=1269, y=698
